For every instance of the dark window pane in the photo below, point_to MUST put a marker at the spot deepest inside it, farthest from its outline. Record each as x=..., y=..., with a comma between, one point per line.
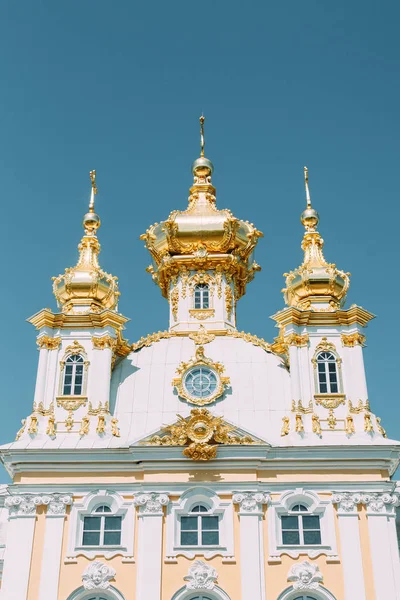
x=209, y=523
x=91, y=538
x=91, y=523
x=322, y=388
x=321, y=367
x=79, y=369
x=332, y=367
x=68, y=369
x=290, y=522
x=300, y=508
x=112, y=523
x=68, y=378
x=312, y=537
x=322, y=378
x=311, y=522
x=112, y=538
x=210, y=538
x=103, y=508
x=199, y=507
x=67, y=390
x=334, y=388
x=290, y=537
x=188, y=539
x=189, y=523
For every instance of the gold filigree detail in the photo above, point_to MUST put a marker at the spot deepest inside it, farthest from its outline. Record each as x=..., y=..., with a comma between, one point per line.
x=368, y=427
x=353, y=339
x=330, y=400
x=51, y=426
x=152, y=338
x=228, y=301
x=33, y=425
x=174, y=299
x=302, y=409
x=106, y=341
x=325, y=346
x=316, y=425
x=203, y=432
x=75, y=348
x=201, y=313
x=21, y=431
x=114, y=427
x=349, y=427
x=49, y=343
x=250, y=338
x=380, y=428
x=293, y=339
x=361, y=407
x=69, y=421
x=101, y=424
x=198, y=360
x=85, y=424
x=332, y=421
x=41, y=410
x=285, y=426
x=71, y=402
x=299, y=427
x=102, y=409
x=202, y=336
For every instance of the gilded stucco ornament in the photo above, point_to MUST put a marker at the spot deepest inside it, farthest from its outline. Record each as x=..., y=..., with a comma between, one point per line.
x=202, y=336
x=203, y=432
x=285, y=426
x=298, y=407
x=353, y=339
x=200, y=360
x=86, y=287
x=361, y=407
x=316, y=284
x=48, y=343
x=330, y=400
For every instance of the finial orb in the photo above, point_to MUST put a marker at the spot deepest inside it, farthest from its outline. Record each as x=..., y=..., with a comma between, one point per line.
x=91, y=222
x=202, y=167
x=309, y=218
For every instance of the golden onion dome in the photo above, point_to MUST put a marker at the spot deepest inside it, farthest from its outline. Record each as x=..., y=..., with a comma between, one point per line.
x=315, y=284
x=86, y=287
x=202, y=232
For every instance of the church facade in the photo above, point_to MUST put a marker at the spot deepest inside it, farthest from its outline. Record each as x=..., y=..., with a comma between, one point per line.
x=201, y=462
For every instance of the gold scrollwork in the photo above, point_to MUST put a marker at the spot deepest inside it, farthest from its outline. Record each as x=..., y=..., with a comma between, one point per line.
x=198, y=360
x=316, y=425
x=353, y=339
x=201, y=313
x=106, y=341
x=349, y=427
x=49, y=343
x=302, y=409
x=100, y=410
x=71, y=402
x=285, y=426
x=368, y=427
x=330, y=400
x=293, y=339
x=325, y=346
x=361, y=407
x=380, y=428
x=228, y=301
x=299, y=427
x=174, y=299
x=202, y=336
x=152, y=338
x=21, y=431
x=332, y=421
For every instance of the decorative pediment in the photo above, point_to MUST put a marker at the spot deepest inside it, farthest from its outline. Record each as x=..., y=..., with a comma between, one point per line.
x=201, y=433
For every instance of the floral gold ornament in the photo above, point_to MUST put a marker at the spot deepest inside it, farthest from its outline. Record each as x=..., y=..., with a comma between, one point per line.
x=85, y=424
x=349, y=427
x=101, y=409
x=316, y=425
x=293, y=339
x=330, y=400
x=174, y=299
x=71, y=402
x=69, y=421
x=302, y=409
x=332, y=421
x=228, y=301
x=201, y=433
x=101, y=424
x=33, y=425
x=152, y=338
x=368, y=427
x=51, y=426
x=250, y=338
x=48, y=343
x=114, y=427
x=380, y=428
x=325, y=346
x=361, y=407
x=316, y=283
x=353, y=339
x=200, y=380
x=202, y=336
x=201, y=313
x=106, y=341
x=285, y=426
x=299, y=424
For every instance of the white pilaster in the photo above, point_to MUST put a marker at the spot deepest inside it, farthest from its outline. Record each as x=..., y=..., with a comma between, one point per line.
x=359, y=380
x=350, y=545
x=17, y=560
x=100, y=375
x=53, y=372
x=383, y=546
x=295, y=373
x=53, y=537
x=41, y=377
x=148, y=585
x=251, y=544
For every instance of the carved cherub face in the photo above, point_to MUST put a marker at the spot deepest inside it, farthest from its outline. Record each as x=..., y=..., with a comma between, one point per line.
x=202, y=575
x=97, y=576
x=305, y=576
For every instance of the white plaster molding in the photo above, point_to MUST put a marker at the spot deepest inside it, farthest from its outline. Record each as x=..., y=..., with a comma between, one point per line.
x=321, y=594
x=250, y=502
x=97, y=576
x=316, y=506
x=151, y=503
x=82, y=594
x=25, y=504
x=222, y=509
x=185, y=594
x=120, y=507
x=382, y=504
x=305, y=576
x=201, y=576
x=347, y=502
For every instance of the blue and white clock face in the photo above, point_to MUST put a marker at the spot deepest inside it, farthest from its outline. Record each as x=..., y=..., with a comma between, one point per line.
x=200, y=382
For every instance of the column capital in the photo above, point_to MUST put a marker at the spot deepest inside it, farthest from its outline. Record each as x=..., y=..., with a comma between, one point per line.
x=347, y=502
x=250, y=503
x=151, y=503
x=24, y=505
x=380, y=503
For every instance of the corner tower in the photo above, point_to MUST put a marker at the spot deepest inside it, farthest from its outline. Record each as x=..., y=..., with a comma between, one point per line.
x=202, y=256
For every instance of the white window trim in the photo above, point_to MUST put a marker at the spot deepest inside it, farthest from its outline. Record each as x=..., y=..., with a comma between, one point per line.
x=320, y=594
x=81, y=594
x=215, y=594
x=120, y=508
x=182, y=507
x=316, y=506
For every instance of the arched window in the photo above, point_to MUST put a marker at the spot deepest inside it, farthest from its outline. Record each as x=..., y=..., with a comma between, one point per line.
x=101, y=528
x=304, y=598
x=73, y=375
x=201, y=296
x=199, y=528
x=327, y=373
x=300, y=528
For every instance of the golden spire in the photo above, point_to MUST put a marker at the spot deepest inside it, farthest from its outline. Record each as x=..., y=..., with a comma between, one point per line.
x=86, y=287
x=309, y=217
x=202, y=144
x=308, y=198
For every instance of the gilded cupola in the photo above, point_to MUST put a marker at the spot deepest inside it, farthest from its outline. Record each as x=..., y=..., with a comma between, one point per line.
x=202, y=237
x=86, y=287
x=315, y=284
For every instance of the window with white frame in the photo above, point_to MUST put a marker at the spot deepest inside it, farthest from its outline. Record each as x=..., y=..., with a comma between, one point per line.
x=73, y=375
x=327, y=372
x=300, y=528
x=200, y=528
x=201, y=296
x=301, y=522
x=199, y=523
x=102, y=528
x=101, y=524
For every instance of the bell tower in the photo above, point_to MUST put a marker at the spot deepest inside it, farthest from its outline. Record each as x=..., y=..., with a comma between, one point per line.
x=202, y=256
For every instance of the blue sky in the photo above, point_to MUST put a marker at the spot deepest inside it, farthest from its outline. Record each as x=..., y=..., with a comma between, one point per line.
x=119, y=87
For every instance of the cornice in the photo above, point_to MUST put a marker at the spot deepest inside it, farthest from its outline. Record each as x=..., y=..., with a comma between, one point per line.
x=295, y=316
x=46, y=318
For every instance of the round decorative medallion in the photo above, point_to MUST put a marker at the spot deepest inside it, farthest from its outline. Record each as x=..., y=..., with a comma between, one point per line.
x=200, y=382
